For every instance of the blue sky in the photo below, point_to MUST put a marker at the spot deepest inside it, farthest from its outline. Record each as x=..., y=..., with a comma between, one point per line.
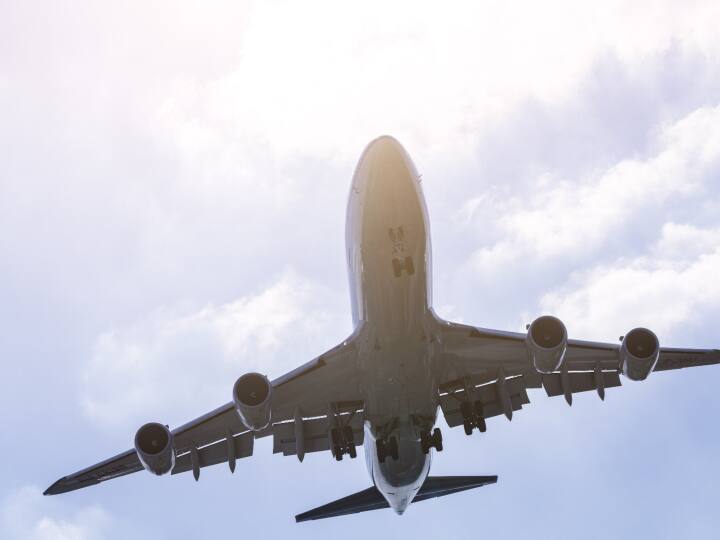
x=173, y=179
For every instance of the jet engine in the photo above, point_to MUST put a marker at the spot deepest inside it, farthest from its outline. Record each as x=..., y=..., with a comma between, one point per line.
x=154, y=447
x=251, y=395
x=546, y=343
x=639, y=352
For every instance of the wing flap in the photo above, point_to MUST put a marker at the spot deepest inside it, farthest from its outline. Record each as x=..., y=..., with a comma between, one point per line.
x=315, y=434
x=582, y=381
x=488, y=395
x=218, y=452
x=208, y=429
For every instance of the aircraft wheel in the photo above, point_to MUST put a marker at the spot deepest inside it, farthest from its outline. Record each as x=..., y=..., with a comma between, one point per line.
x=424, y=443
x=394, y=449
x=479, y=413
x=437, y=439
x=348, y=435
x=380, y=445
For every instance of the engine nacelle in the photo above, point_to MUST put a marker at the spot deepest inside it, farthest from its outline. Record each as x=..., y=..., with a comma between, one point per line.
x=154, y=447
x=639, y=352
x=546, y=343
x=251, y=395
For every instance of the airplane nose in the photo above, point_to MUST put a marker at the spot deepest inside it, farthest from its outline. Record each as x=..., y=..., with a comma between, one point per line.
x=384, y=142
x=384, y=150
x=384, y=170
x=399, y=506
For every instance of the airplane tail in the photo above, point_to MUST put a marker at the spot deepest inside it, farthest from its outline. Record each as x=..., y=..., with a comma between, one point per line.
x=371, y=499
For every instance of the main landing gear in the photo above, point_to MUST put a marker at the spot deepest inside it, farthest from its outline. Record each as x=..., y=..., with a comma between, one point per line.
x=387, y=447
x=343, y=442
x=473, y=417
x=428, y=441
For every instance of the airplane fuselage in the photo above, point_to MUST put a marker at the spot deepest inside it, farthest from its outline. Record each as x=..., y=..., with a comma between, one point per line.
x=388, y=248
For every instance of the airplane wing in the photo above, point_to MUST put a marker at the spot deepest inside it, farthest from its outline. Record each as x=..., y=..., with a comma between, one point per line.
x=306, y=403
x=486, y=373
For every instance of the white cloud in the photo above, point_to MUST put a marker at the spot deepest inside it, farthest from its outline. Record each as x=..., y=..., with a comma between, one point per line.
x=570, y=218
x=26, y=515
x=179, y=125
x=671, y=288
x=680, y=243
x=323, y=80
x=176, y=362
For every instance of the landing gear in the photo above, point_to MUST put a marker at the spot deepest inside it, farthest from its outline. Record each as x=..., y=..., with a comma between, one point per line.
x=342, y=442
x=428, y=441
x=387, y=447
x=473, y=417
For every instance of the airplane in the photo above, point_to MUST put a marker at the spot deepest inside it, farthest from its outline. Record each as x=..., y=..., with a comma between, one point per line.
x=383, y=385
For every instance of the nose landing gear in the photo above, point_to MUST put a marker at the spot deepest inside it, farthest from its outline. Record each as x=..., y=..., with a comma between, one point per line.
x=387, y=447
x=428, y=441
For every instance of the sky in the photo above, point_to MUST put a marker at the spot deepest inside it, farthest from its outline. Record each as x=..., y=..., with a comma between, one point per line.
x=173, y=181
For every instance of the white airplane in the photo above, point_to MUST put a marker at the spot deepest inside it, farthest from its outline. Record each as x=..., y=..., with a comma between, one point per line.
x=382, y=386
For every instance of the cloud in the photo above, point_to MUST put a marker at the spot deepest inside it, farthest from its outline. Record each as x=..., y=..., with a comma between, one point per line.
x=562, y=216
x=178, y=362
x=672, y=289
x=26, y=515
x=681, y=243
x=303, y=87
x=153, y=149
x=535, y=238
